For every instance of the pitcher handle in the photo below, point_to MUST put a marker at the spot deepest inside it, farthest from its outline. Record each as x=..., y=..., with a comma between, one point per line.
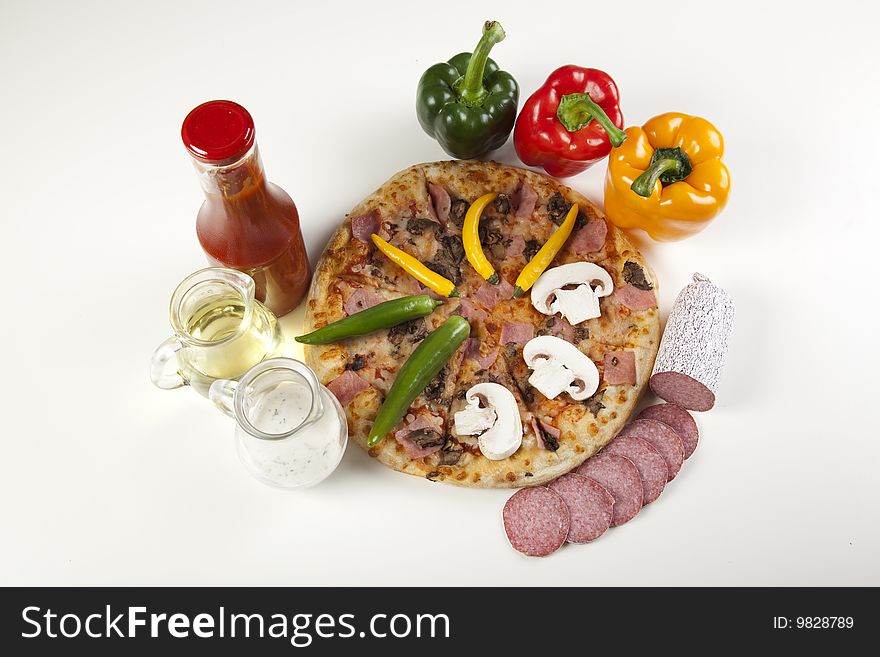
x=222, y=393
x=164, y=369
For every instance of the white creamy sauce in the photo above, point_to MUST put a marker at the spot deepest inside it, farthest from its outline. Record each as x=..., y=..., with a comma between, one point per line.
x=305, y=457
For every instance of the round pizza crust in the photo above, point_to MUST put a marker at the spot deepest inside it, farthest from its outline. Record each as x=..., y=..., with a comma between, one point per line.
x=583, y=431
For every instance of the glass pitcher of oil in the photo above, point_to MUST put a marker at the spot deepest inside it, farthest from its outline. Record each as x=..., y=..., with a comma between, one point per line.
x=220, y=331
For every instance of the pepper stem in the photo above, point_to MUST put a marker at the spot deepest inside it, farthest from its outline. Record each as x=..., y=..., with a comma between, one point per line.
x=668, y=165
x=577, y=110
x=472, y=90
x=644, y=184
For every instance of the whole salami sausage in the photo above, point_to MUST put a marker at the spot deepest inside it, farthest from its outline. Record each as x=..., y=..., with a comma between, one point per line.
x=651, y=466
x=694, y=345
x=590, y=506
x=677, y=418
x=663, y=438
x=620, y=477
x=536, y=521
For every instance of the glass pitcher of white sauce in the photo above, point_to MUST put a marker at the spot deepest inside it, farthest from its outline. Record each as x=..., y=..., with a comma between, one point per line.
x=291, y=430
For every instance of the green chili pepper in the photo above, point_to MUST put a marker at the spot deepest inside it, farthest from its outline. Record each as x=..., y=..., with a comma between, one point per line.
x=382, y=315
x=423, y=365
x=468, y=104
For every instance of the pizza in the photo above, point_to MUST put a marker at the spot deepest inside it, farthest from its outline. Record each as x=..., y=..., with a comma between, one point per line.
x=421, y=211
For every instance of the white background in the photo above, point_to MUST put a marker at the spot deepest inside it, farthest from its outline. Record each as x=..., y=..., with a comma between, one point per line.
x=105, y=479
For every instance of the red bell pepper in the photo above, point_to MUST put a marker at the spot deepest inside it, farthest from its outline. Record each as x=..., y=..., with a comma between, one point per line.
x=571, y=122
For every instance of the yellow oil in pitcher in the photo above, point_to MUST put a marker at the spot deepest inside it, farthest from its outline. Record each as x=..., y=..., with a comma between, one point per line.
x=232, y=340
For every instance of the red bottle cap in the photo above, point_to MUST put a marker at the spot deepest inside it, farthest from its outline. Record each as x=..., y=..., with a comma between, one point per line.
x=217, y=131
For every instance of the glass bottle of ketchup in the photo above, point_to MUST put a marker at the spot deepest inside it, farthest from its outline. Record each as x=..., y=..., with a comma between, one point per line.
x=246, y=222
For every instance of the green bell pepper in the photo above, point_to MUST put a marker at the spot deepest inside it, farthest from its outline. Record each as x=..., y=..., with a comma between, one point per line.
x=467, y=104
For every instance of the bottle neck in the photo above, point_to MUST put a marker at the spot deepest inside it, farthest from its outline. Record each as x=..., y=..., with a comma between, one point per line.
x=228, y=180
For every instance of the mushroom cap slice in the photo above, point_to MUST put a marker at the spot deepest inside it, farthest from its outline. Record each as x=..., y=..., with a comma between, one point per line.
x=576, y=305
x=575, y=273
x=558, y=366
x=504, y=437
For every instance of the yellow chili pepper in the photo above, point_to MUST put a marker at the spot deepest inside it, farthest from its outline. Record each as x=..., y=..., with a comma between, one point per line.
x=542, y=259
x=470, y=238
x=440, y=285
x=667, y=178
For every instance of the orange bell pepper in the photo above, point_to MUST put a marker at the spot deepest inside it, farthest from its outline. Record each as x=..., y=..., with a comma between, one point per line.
x=667, y=178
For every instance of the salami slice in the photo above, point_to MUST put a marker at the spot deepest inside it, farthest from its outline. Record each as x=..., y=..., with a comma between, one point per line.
x=694, y=345
x=683, y=390
x=589, y=504
x=648, y=461
x=680, y=420
x=662, y=438
x=620, y=477
x=536, y=521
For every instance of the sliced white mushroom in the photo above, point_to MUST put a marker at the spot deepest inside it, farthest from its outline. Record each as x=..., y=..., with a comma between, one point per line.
x=503, y=435
x=473, y=419
x=577, y=305
x=558, y=366
x=573, y=290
